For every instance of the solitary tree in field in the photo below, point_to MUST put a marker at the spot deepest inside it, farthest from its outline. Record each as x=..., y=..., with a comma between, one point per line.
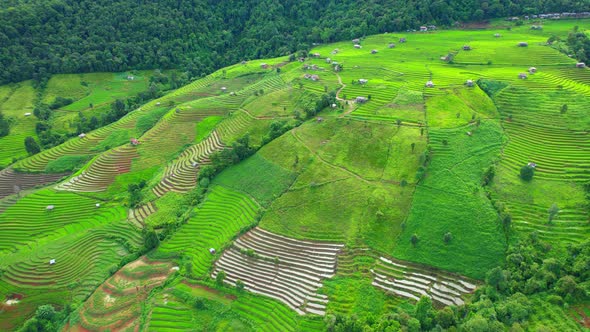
x=563, y=108
x=413, y=145
x=32, y=146
x=448, y=237
x=414, y=239
x=527, y=172
x=553, y=212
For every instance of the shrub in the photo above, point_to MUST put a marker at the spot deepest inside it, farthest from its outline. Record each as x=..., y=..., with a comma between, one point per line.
x=448, y=237
x=220, y=278
x=527, y=172
x=414, y=239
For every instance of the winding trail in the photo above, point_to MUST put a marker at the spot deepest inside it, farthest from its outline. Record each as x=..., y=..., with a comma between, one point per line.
x=348, y=103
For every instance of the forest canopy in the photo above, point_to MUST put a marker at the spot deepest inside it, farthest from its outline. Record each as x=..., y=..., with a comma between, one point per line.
x=40, y=38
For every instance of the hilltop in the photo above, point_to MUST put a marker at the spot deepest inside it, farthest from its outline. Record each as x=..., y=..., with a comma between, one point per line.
x=409, y=181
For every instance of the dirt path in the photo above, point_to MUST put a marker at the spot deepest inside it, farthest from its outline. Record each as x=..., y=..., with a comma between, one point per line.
x=349, y=103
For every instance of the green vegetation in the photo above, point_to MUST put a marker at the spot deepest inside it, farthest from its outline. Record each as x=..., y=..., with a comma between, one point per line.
x=266, y=196
x=65, y=164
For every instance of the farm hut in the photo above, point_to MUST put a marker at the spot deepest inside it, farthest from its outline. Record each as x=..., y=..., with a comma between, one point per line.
x=314, y=67
x=469, y=133
x=429, y=84
x=97, y=205
x=356, y=41
x=328, y=60
x=522, y=76
x=536, y=27
x=319, y=119
x=134, y=141
x=130, y=77
x=431, y=27
x=533, y=165
x=361, y=100
x=466, y=48
x=532, y=70
x=335, y=51
x=423, y=28
x=469, y=83
x=373, y=51
x=307, y=76
x=243, y=62
x=177, y=110
x=50, y=208
x=223, y=89
x=316, y=55
x=212, y=251
x=158, y=104
x=402, y=40
x=175, y=268
x=82, y=135
x=357, y=46
x=264, y=65
x=334, y=105
x=363, y=81
x=580, y=65
x=523, y=44
x=28, y=114
x=391, y=45
x=232, y=93
x=314, y=78
x=497, y=35
x=51, y=261
x=195, y=164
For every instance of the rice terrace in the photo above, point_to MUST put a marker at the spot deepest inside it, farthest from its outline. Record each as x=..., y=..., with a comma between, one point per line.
x=430, y=179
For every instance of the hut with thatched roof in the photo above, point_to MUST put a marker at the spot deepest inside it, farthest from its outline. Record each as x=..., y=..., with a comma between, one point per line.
x=374, y=51
x=264, y=65
x=361, y=100
x=429, y=84
x=357, y=46
x=522, y=76
x=469, y=83
x=523, y=44
x=402, y=40
x=466, y=48
x=532, y=70
x=391, y=45
x=356, y=41
x=363, y=81
x=580, y=65
x=497, y=35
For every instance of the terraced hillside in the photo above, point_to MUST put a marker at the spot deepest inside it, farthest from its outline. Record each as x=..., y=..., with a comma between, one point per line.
x=116, y=304
x=410, y=282
x=376, y=181
x=285, y=269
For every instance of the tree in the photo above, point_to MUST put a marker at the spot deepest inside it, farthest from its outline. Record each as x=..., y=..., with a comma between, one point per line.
x=448, y=237
x=413, y=145
x=4, y=126
x=553, y=212
x=425, y=313
x=496, y=278
x=220, y=277
x=414, y=239
x=240, y=285
x=45, y=312
x=151, y=239
x=31, y=146
x=446, y=317
x=563, y=109
x=527, y=172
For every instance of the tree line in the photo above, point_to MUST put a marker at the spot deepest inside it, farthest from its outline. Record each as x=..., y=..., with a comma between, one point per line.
x=40, y=38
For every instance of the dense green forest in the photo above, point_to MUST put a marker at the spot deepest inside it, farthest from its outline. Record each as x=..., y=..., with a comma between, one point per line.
x=40, y=38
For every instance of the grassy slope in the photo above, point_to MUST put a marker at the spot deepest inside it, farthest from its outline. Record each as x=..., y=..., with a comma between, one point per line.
x=339, y=179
